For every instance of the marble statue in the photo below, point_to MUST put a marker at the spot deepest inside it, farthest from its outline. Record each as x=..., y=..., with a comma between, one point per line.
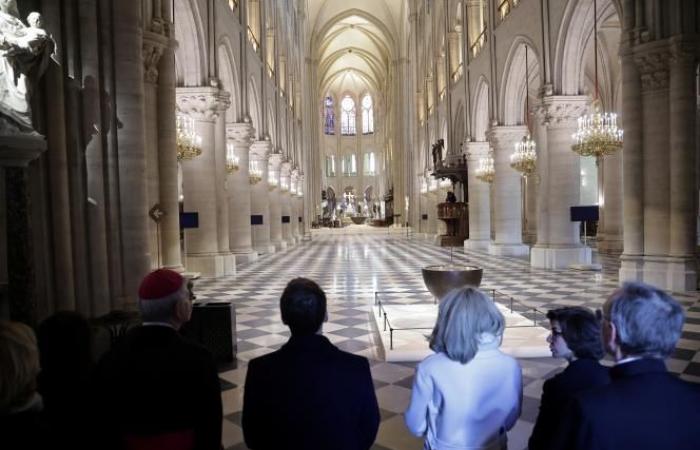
x=25, y=52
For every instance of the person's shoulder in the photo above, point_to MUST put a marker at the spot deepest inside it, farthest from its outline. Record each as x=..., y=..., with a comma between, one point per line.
x=349, y=359
x=266, y=360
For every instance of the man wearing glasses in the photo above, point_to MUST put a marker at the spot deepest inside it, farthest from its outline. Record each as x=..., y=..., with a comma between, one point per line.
x=644, y=406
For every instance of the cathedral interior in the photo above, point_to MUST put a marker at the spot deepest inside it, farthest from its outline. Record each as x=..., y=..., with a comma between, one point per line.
x=247, y=142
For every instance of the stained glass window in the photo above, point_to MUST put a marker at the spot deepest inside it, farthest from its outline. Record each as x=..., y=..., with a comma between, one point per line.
x=367, y=115
x=329, y=116
x=347, y=118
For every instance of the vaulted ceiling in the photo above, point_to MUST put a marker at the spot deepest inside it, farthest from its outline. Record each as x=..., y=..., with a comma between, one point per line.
x=354, y=42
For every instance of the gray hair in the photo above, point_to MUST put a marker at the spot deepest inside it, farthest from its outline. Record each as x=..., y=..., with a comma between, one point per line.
x=648, y=321
x=464, y=315
x=162, y=309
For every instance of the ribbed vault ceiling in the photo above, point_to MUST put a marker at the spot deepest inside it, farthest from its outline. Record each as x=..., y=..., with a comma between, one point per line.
x=354, y=42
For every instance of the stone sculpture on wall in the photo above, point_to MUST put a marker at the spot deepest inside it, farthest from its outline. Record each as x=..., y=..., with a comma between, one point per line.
x=24, y=56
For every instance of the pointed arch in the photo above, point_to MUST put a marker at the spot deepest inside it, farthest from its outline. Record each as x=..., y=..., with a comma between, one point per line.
x=513, y=86
x=575, y=32
x=229, y=77
x=480, y=111
x=190, y=55
x=254, y=106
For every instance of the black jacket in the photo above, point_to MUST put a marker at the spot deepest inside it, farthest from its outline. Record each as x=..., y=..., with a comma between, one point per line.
x=309, y=395
x=155, y=381
x=558, y=391
x=643, y=408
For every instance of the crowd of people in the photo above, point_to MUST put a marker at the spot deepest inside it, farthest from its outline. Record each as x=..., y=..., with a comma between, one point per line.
x=155, y=390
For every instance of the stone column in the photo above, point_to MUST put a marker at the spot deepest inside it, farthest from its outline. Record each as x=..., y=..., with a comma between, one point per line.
x=303, y=226
x=167, y=162
x=222, y=194
x=558, y=239
x=275, y=160
x=507, y=205
x=682, y=270
x=432, y=213
x=240, y=135
x=260, y=200
x=479, y=204
x=653, y=66
x=153, y=45
x=295, y=207
x=203, y=104
x=632, y=169
x=286, y=203
x=610, y=178
x=129, y=103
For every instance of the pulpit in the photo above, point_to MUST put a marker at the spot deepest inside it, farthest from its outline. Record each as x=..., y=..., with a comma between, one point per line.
x=456, y=218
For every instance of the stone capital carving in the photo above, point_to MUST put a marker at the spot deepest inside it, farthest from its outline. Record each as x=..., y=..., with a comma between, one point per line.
x=653, y=68
x=285, y=169
x=260, y=150
x=202, y=103
x=561, y=110
x=274, y=161
x=503, y=137
x=240, y=133
x=155, y=40
x=684, y=52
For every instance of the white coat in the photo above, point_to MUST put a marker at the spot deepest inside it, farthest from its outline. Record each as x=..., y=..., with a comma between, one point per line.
x=465, y=406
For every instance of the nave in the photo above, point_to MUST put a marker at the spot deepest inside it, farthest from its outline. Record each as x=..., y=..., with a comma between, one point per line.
x=351, y=267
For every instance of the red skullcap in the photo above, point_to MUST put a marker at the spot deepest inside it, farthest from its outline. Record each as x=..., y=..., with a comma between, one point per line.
x=159, y=284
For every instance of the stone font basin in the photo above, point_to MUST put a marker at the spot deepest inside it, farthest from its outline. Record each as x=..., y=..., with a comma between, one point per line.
x=358, y=220
x=442, y=278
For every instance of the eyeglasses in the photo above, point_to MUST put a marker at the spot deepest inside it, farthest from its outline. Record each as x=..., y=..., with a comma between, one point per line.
x=555, y=333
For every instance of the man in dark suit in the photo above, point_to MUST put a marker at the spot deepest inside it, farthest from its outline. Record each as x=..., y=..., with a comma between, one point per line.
x=644, y=407
x=575, y=337
x=154, y=389
x=308, y=394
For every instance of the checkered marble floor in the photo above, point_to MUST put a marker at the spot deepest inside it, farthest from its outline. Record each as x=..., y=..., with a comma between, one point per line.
x=350, y=268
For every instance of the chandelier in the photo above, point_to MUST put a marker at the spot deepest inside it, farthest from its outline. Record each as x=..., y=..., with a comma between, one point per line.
x=272, y=178
x=597, y=133
x=486, y=171
x=254, y=172
x=524, y=158
x=231, y=158
x=189, y=143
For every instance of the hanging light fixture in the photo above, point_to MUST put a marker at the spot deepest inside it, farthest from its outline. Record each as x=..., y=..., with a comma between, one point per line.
x=486, y=171
x=597, y=134
x=254, y=172
x=524, y=158
x=189, y=143
x=231, y=158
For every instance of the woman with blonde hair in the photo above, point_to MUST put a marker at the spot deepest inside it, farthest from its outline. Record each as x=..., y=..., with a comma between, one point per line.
x=21, y=426
x=467, y=394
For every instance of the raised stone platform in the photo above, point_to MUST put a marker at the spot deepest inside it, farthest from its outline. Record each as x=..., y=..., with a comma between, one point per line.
x=413, y=324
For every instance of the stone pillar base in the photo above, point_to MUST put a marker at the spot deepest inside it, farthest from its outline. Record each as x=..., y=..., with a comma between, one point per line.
x=245, y=256
x=559, y=258
x=508, y=249
x=480, y=245
x=630, y=268
x=264, y=249
x=307, y=236
x=212, y=264
x=279, y=246
x=610, y=246
x=670, y=273
x=179, y=269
